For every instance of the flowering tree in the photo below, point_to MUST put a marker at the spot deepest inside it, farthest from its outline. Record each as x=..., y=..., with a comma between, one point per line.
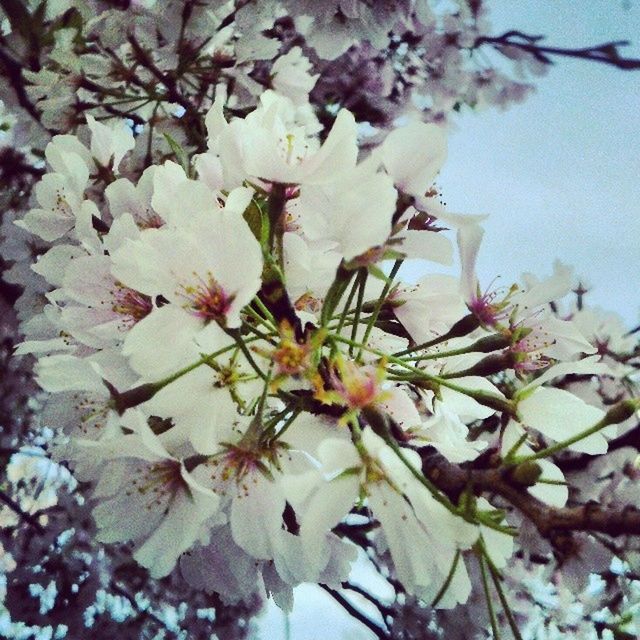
x=207, y=212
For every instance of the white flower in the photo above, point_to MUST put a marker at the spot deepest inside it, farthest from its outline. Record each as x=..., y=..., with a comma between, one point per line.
x=109, y=143
x=59, y=202
x=560, y=415
x=278, y=143
x=207, y=272
x=146, y=496
x=430, y=307
x=291, y=77
x=127, y=198
x=422, y=535
x=354, y=210
x=104, y=309
x=413, y=156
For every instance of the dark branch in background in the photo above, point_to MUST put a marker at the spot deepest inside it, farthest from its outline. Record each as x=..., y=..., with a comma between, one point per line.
x=356, y=613
x=144, y=613
x=13, y=72
x=606, y=53
x=195, y=129
x=23, y=515
x=227, y=20
x=634, y=330
x=384, y=610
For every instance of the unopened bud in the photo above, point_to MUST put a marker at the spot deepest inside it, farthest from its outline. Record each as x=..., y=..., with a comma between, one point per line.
x=132, y=398
x=486, y=367
x=621, y=411
x=526, y=473
x=464, y=326
x=490, y=343
x=378, y=421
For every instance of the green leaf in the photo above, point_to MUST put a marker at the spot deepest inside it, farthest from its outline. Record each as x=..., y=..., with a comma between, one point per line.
x=179, y=152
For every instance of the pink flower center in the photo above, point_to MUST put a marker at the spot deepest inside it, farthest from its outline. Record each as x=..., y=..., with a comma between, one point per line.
x=207, y=299
x=527, y=352
x=357, y=386
x=131, y=304
x=490, y=310
x=151, y=221
x=158, y=482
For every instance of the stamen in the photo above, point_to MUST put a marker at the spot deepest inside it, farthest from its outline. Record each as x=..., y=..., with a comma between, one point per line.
x=131, y=304
x=207, y=299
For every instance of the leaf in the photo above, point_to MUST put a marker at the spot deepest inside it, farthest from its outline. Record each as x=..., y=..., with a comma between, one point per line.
x=179, y=152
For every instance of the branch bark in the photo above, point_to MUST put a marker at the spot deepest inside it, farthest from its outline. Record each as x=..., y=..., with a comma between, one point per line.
x=550, y=521
x=606, y=53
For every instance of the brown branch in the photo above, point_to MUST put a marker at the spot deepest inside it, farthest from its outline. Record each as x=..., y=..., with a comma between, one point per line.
x=22, y=514
x=195, y=130
x=606, y=53
x=13, y=73
x=550, y=521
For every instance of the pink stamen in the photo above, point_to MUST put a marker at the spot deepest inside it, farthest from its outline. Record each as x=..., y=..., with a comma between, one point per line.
x=131, y=304
x=207, y=299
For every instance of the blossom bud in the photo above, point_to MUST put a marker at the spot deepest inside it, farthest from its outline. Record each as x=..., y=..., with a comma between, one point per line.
x=490, y=343
x=378, y=421
x=132, y=398
x=621, y=411
x=486, y=367
x=464, y=326
x=526, y=474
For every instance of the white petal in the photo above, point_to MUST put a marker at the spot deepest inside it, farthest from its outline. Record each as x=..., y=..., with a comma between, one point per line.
x=560, y=415
x=413, y=155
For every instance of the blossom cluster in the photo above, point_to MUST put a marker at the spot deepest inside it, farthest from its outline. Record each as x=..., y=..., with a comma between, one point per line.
x=152, y=60
x=223, y=313
x=243, y=375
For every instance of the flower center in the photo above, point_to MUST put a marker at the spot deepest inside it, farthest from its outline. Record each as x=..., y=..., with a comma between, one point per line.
x=130, y=303
x=207, y=299
x=291, y=357
x=158, y=481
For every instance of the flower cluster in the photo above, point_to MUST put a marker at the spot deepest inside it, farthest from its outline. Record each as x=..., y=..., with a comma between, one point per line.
x=245, y=377
x=238, y=360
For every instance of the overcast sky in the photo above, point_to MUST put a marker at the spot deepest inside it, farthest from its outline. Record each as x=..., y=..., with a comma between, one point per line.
x=559, y=176
x=560, y=173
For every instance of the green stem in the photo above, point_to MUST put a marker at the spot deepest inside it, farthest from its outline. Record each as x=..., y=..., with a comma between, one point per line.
x=486, y=398
x=447, y=582
x=263, y=308
x=289, y=422
x=503, y=600
x=345, y=310
x=559, y=446
x=241, y=342
x=362, y=282
x=381, y=300
x=487, y=595
x=433, y=490
x=514, y=449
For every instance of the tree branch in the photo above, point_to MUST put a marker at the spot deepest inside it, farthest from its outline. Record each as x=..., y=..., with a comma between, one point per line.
x=606, y=53
x=23, y=515
x=356, y=613
x=13, y=73
x=550, y=521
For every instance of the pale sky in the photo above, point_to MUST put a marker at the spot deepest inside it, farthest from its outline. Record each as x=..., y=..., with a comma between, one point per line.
x=559, y=176
x=560, y=173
